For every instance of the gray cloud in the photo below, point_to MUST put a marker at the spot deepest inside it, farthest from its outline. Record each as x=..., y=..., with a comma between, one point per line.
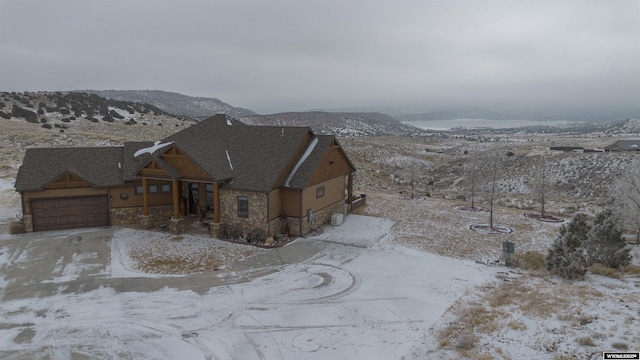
x=294, y=55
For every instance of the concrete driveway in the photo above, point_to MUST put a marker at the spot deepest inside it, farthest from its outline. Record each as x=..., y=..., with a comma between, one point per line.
x=40, y=264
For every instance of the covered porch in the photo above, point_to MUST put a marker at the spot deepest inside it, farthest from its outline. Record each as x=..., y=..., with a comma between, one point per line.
x=193, y=191
x=191, y=201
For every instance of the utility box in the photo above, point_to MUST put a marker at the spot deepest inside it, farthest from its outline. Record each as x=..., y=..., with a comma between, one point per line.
x=337, y=219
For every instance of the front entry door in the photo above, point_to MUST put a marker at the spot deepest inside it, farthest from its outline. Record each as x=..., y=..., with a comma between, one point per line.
x=194, y=195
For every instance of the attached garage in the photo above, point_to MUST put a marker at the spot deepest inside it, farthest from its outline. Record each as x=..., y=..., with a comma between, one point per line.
x=69, y=212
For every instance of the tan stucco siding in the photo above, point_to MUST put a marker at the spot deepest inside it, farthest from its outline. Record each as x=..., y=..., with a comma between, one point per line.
x=275, y=204
x=333, y=192
x=290, y=202
x=125, y=196
x=333, y=164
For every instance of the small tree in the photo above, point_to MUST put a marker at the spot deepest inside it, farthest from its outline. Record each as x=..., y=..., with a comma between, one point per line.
x=542, y=187
x=566, y=256
x=474, y=175
x=494, y=174
x=604, y=243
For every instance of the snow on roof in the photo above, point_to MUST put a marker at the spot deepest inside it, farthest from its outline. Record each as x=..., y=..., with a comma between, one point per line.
x=151, y=149
x=229, y=158
x=304, y=157
x=229, y=121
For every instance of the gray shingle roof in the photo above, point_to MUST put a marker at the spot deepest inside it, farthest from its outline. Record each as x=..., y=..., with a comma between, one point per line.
x=301, y=178
x=258, y=154
x=131, y=164
x=99, y=166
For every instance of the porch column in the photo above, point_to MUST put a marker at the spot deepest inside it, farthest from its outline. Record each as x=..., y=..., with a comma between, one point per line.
x=350, y=191
x=216, y=203
x=176, y=200
x=145, y=197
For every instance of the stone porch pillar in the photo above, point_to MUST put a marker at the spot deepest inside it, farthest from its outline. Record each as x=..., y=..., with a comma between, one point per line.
x=146, y=221
x=176, y=226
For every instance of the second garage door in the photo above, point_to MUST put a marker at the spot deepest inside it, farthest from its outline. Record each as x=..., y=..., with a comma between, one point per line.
x=69, y=213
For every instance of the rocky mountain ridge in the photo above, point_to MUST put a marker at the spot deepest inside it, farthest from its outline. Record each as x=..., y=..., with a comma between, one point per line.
x=339, y=124
x=196, y=108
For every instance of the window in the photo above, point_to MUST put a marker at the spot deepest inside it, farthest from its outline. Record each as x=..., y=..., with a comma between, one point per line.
x=165, y=188
x=153, y=189
x=243, y=206
x=138, y=189
x=320, y=192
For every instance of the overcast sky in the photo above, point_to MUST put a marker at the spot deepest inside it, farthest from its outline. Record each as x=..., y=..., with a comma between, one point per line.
x=272, y=56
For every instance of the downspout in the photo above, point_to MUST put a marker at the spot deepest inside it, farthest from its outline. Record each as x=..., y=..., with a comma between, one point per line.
x=268, y=215
x=109, y=204
x=22, y=205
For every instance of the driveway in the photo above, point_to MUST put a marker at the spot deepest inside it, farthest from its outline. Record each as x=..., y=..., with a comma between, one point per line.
x=43, y=263
x=345, y=294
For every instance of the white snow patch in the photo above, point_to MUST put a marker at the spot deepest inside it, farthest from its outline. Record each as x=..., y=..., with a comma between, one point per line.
x=304, y=157
x=229, y=159
x=151, y=149
x=229, y=122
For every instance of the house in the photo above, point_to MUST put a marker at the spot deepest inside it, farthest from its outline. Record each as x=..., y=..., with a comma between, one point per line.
x=624, y=145
x=253, y=179
x=578, y=149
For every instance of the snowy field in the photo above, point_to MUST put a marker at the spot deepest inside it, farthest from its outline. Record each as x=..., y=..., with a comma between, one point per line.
x=359, y=298
x=372, y=288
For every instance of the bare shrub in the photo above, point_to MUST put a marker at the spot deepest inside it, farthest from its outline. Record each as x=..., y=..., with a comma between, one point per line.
x=234, y=231
x=584, y=320
x=585, y=341
x=600, y=269
x=564, y=357
x=517, y=325
x=16, y=227
x=632, y=269
x=257, y=235
x=531, y=260
x=484, y=357
x=466, y=341
x=620, y=346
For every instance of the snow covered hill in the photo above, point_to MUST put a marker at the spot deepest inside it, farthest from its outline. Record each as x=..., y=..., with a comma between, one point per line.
x=174, y=103
x=338, y=123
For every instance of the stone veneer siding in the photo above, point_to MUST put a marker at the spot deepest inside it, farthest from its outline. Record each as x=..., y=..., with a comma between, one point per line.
x=129, y=215
x=274, y=224
x=257, y=210
x=28, y=223
x=320, y=218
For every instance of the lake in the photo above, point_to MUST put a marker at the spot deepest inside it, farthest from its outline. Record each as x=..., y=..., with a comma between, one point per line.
x=480, y=123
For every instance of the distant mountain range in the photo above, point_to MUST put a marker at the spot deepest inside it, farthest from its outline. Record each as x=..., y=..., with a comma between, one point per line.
x=196, y=108
x=64, y=107
x=69, y=110
x=61, y=109
x=337, y=123
x=571, y=115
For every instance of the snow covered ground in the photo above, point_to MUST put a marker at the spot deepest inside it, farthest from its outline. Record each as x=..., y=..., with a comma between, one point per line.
x=372, y=288
x=9, y=201
x=360, y=298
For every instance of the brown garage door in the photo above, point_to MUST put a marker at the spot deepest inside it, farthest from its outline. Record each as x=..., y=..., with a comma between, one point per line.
x=69, y=213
